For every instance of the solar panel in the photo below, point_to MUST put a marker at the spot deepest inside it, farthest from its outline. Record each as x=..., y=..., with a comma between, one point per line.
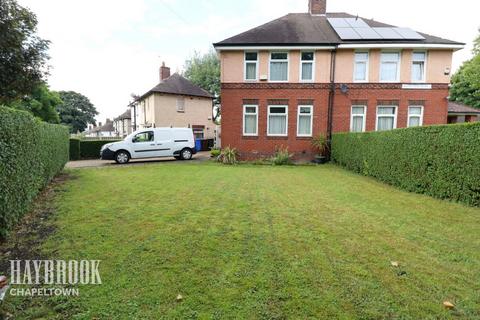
x=356, y=23
x=348, y=34
x=338, y=23
x=408, y=33
x=367, y=33
x=387, y=33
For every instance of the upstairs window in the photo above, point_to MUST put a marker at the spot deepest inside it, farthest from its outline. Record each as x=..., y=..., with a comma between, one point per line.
x=250, y=120
x=251, y=66
x=279, y=66
x=277, y=120
x=418, y=66
x=304, y=121
x=358, y=119
x=180, y=104
x=361, y=67
x=415, y=116
x=307, y=66
x=389, y=67
x=386, y=118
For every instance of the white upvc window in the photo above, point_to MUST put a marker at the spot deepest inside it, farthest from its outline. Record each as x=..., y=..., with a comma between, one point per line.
x=390, y=67
x=360, y=73
x=358, y=118
x=251, y=66
x=250, y=120
x=278, y=67
x=305, y=121
x=419, y=63
x=386, y=118
x=277, y=124
x=415, y=116
x=307, y=66
x=180, y=104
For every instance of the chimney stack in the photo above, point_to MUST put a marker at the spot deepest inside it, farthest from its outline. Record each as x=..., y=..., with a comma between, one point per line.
x=164, y=72
x=317, y=7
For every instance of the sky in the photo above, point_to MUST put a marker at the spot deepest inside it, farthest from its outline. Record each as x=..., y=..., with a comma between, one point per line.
x=109, y=49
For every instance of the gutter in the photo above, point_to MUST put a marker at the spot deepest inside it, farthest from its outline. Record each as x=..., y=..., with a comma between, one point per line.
x=331, y=101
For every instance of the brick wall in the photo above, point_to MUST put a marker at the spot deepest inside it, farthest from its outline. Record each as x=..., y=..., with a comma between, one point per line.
x=235, y=95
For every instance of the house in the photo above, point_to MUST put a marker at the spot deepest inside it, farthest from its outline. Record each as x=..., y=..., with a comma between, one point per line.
x=310, y=73
x=102, y=131
x=460, y=113
x=175, y=102
x=123, y=124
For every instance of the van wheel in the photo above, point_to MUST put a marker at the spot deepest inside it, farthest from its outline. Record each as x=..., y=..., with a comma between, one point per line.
x=122, y=157
x=186, y=154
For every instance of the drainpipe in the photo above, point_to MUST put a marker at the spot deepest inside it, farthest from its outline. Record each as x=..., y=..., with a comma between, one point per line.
x=331, y=101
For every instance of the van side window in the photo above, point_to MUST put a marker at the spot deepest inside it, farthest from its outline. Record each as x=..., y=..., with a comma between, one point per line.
x=143, y=137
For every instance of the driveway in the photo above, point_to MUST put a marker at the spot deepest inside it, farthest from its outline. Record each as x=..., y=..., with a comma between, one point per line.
x=96, y=163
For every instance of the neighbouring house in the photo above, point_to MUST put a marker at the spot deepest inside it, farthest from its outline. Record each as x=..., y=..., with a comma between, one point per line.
x=460, y=113
x=310, y=73
x=102, y=131
x=123, y=124
x=175, y=102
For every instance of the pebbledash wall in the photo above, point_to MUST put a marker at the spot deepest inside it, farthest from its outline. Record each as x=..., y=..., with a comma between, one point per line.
x=236, y=95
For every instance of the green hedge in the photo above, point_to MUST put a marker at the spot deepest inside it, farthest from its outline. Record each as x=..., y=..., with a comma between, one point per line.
x=74, y=149
x=31, y=154
x=91, y=149
x=440, y=161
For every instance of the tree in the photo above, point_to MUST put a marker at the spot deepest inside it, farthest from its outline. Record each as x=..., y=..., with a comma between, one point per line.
x=204, y=71
x=76, y=111
x=466, y=82
x=42, y=103
x=23, y=55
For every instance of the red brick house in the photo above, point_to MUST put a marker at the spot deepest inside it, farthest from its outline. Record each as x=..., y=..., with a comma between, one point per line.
x=310, y=73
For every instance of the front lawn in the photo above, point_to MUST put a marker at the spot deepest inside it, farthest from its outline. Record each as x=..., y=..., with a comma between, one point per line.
x=261, y=242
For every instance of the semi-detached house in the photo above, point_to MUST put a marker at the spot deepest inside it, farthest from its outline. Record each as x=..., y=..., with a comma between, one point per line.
x=310, y=73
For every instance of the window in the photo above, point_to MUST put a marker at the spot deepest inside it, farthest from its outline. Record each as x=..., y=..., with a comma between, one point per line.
x=418, y=66
x=180, y=104
x=304, y=121
x=143, y=137
x=279, y=66
x=251, y=66
x=307, y=66
x=361, y=67
x=250, y=120
x=358, y=119
x=415, y=116
x=389, y=68
x=277, y=121
x=386, y=118
x=199, y=134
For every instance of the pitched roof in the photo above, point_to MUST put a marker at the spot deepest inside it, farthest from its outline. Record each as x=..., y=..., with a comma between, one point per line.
x=107, y=127
x=460, y=108
x=176, y=84
x=307, y=29
x=126, y=115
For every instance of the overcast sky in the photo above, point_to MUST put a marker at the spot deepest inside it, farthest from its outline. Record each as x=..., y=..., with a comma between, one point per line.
x=108, y=49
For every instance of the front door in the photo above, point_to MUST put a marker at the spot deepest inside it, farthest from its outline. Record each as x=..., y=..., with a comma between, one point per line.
x=144, y=145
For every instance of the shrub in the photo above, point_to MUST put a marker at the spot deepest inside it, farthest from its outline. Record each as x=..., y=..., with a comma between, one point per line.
x=281, y=157
x=74, y=149
x=228, y=156
x=91, y=149
x=215, y=153
x=440, y=161
x=320, y=143
x=31, y=154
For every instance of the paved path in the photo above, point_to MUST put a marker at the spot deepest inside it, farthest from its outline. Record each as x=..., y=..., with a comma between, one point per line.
x=199, y=157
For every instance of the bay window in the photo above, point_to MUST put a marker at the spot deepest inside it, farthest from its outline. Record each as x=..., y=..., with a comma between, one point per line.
x=251, y=66
x=277, y=120
x=307, y=66
x=418, y=66
x=386, y=118
x=415, y=116
x=250, y=120
x=279, y=66
x=358, y=119
x=361, y=67
x=390, y=66
x=304, y=121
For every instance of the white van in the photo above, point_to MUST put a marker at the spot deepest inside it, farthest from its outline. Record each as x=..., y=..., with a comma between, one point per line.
x=152, y=143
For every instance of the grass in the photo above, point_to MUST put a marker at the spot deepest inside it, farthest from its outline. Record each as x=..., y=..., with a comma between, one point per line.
x=262, y=242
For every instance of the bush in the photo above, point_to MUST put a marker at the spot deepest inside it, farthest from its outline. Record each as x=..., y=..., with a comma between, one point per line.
x=440, y=161
x=215, y=153
x=31, y=154
x=74, y=149
x=281, y=157
x=228, y=156
x=91, y=149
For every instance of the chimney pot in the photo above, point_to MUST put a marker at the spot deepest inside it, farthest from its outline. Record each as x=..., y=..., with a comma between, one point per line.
x=318, y=7
x=164, y=72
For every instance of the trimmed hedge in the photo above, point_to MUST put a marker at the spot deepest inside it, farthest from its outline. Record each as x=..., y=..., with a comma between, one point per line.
x=31, y=154
x=440, y=161
x=91, y=149
x=74, y=149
